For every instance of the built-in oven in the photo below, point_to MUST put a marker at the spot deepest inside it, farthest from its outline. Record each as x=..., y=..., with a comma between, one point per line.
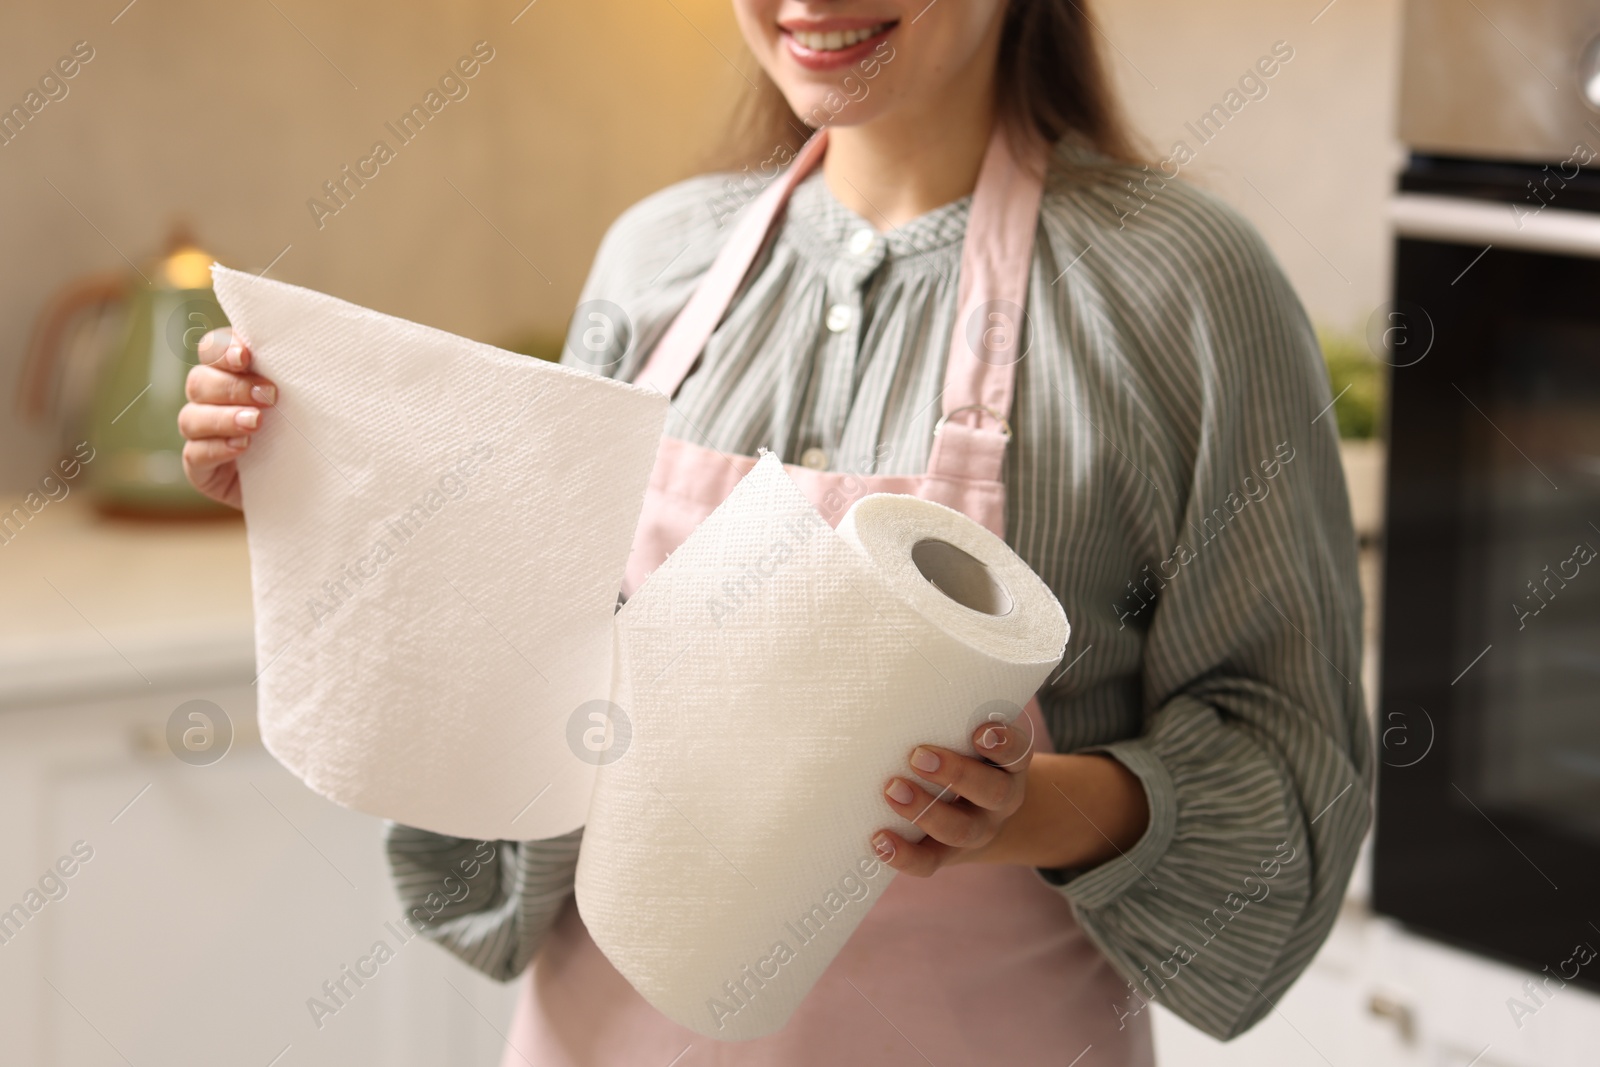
x=1488, y=828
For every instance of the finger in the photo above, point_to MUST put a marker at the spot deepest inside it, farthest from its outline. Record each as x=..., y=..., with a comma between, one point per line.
x=197, y=421
x=202, y=456
x=224, y=348
x=1006, y=745
x=992, y=788
x=212, y=385
x=958, y=825
x=918, y=859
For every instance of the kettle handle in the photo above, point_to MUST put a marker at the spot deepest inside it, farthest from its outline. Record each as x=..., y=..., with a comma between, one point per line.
x=92, y=292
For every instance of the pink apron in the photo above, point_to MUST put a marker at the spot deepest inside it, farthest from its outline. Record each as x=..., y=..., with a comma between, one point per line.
x=979, y=964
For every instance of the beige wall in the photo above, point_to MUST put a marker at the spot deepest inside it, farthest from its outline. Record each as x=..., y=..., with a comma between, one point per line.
x=226, y=115
x=1313, y=162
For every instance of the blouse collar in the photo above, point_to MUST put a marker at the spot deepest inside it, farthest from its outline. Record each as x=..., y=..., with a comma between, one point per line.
x=820, y=224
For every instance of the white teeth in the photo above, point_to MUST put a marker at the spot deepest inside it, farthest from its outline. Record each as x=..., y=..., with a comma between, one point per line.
x=837, y=39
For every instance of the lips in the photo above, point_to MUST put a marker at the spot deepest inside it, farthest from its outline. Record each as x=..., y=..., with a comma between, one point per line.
x=832, y=43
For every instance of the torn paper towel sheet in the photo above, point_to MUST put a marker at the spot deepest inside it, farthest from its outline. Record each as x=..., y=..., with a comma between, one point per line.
x=775, y=674
x=438, y=531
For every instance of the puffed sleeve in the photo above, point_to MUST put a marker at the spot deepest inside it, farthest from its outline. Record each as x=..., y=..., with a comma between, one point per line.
x=1244, y=616
x=489, y=902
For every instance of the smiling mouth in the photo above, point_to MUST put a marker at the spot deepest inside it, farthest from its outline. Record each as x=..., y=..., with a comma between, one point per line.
x=838, y=40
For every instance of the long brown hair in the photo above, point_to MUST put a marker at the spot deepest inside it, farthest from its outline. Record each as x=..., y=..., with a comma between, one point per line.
x=1051, y=87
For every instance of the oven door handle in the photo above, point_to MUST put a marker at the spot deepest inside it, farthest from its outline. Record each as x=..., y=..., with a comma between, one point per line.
x=1482, y=222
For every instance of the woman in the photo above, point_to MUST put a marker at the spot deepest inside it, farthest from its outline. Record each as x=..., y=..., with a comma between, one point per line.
x=952, y=293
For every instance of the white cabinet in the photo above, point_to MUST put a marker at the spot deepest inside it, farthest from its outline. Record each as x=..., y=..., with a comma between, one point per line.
x=217, y=900
x=1377, y=996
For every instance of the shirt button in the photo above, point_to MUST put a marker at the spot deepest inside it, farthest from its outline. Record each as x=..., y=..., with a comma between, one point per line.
x=839, y=318
x=815, y=458
x=861, y=242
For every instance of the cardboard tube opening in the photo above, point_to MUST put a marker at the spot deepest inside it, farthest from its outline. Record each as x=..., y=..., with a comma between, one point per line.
x=961, y=577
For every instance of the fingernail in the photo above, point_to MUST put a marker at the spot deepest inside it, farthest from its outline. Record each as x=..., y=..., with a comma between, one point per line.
x=993, y=737
x=238, y=442
x=899, y=792
x=264, y=394
x=925, y=759
x=234, y=357
x=883, y=847
x=247, y=417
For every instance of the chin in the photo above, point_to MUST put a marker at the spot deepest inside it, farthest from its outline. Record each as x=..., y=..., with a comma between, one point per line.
x=844, y=63
x=833, y=70
x=833, y=110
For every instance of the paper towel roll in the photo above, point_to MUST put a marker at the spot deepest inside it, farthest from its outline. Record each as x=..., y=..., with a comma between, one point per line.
x=438, y=531
x=776, y=674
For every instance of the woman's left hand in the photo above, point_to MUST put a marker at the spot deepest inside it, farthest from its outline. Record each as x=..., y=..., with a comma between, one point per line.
x=1012, y=805
x=962, y=801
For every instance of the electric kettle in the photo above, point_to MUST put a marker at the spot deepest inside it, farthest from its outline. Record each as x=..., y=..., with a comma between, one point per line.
x=109, y=356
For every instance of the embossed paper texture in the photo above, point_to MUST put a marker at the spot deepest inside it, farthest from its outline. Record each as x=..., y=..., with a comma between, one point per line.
x=438, y=531
x=776, y=674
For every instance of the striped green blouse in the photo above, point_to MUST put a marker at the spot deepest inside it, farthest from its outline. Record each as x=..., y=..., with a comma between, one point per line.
x=1169, y=479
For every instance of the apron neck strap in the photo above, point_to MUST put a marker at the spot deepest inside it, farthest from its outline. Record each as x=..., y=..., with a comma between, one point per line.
x=684, y=340
x=990, y=332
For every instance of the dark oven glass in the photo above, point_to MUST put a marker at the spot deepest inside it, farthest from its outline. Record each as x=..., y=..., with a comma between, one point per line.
x=1489, y=719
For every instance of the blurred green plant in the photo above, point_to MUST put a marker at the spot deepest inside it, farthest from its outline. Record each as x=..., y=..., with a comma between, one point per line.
x=540, y=344
x=1357, y=379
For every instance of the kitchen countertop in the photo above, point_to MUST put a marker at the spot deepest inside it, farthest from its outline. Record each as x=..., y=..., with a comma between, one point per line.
x=96, y=605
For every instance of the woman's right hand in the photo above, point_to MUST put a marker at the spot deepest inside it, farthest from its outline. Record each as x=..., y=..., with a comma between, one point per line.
x=224, y=410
